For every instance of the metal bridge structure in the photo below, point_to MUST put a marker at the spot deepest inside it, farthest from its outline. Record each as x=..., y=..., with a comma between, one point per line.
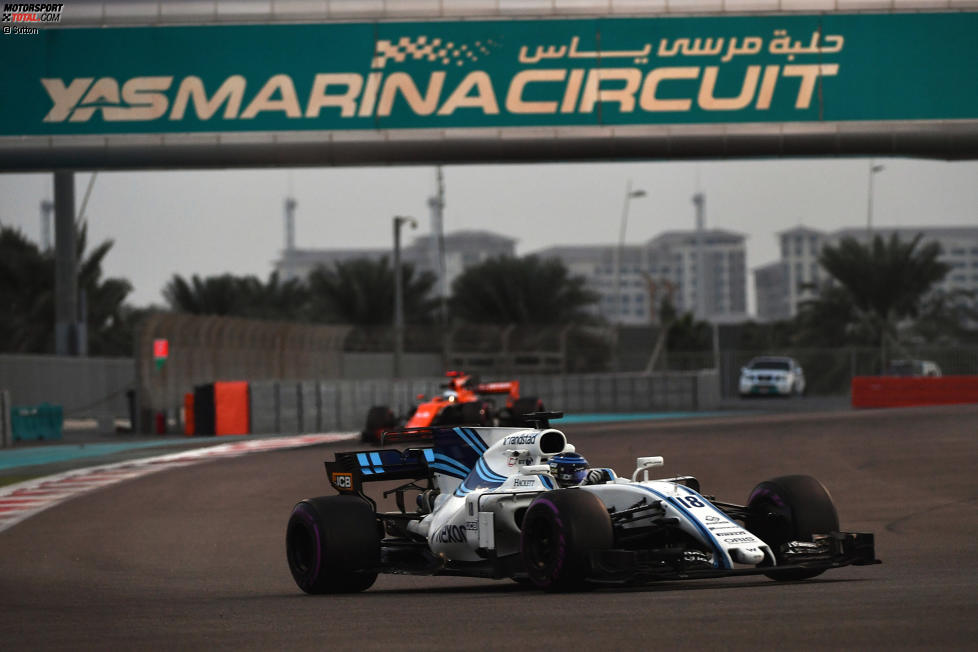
x=203, y=83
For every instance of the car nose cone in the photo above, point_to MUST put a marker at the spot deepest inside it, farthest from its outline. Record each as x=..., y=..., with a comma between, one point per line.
x=751, y=556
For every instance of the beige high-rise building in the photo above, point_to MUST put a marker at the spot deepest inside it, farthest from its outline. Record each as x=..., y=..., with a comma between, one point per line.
x=665, y=266
x=782, y=285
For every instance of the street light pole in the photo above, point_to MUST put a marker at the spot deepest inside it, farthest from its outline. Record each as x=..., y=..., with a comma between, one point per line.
x=620, y=250
x=873, y=169
x=399, y=293
x=699, y=201
x=437, y=205
x=65, y=265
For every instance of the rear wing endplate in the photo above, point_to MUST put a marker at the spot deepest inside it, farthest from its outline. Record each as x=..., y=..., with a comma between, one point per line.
x=349, y=471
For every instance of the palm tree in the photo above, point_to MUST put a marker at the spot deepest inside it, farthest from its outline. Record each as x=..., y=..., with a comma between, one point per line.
x=238, y=296
x=214, y=295
x=108, y=318
x=885, y=281
x=688, y=334
x=528, y=290
x=361, y=292
x=27, y=292
x=948, y=318
x=277, y=299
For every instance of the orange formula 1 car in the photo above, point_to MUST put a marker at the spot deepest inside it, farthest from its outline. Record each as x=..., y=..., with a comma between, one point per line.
x=463, y=402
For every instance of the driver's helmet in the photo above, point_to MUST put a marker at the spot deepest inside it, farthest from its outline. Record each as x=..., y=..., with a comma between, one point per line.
x=450, y=395
x=569, y=469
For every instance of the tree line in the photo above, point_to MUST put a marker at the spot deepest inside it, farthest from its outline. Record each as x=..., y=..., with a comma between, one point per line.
x=505, y=290
x=880, y=294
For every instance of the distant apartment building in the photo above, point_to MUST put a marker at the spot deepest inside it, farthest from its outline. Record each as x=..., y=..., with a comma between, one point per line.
x=771, y=291
x=665, y=266
x=781, y=286
x=462, y=250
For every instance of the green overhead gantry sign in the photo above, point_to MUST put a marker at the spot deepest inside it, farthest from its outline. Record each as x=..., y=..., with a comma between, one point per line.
x=917, y=69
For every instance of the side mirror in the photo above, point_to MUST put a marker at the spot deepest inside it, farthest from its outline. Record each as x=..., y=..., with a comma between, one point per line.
x=643, y=464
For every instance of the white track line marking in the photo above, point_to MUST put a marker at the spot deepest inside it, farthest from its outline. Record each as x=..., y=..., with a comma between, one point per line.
x=22, y=500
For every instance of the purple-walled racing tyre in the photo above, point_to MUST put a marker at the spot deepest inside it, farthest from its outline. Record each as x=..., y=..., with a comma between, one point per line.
x=560, y=530
x=333, y=544
x=790, y=508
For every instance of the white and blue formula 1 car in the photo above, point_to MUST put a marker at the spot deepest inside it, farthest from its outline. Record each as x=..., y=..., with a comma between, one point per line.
x=488, y=505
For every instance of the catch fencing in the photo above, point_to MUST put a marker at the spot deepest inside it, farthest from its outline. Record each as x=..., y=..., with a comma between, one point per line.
x=326, y=405
x=828, y=372
x=86, y=388
x=338, y=367
x=206, y=349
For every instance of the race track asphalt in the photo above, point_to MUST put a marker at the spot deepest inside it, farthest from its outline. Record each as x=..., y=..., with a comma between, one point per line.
x=193, y=558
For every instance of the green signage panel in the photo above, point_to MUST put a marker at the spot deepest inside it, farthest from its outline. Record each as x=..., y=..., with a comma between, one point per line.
x=513, y=73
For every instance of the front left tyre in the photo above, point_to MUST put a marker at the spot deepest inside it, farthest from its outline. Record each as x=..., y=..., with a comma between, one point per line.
x=790, y=508
x=333, y=544
x=379, y=419
x=560, y=531
x=522, y=407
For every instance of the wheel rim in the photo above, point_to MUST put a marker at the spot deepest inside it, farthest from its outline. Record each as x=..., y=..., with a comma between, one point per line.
x=542, y=542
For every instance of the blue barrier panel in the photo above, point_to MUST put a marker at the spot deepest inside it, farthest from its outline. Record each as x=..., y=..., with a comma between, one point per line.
x=36, y=422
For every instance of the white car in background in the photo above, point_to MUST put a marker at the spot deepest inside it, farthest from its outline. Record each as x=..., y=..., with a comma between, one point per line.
x=914, y=368
x=772, y=375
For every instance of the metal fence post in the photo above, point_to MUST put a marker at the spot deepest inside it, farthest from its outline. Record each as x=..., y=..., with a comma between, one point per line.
x=319, y=406
x=300, y=409
x=6, y=429
x=277, y=393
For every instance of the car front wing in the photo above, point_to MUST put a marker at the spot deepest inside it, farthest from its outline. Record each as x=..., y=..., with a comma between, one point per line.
x=833, y=550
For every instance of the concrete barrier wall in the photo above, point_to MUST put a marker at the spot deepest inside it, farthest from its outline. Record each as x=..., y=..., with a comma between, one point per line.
x=897, y=391
x=625, y=392
x=328, y=405
x=96, y=387
x=83, y=387
x=289, y=407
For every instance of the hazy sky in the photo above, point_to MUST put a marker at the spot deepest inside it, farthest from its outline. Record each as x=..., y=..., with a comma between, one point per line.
x=211, y=222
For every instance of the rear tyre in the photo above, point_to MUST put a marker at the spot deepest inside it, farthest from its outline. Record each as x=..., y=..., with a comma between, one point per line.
x=333, y=544
x=522, y=407
x=790, y=508
x=451, y=415
x=560, y=530
x=379, y=419
x=474, y=414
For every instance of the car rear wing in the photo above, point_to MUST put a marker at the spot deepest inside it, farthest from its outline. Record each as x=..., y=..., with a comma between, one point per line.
x=511, y=387
x=348, y=471
x=425, y=433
